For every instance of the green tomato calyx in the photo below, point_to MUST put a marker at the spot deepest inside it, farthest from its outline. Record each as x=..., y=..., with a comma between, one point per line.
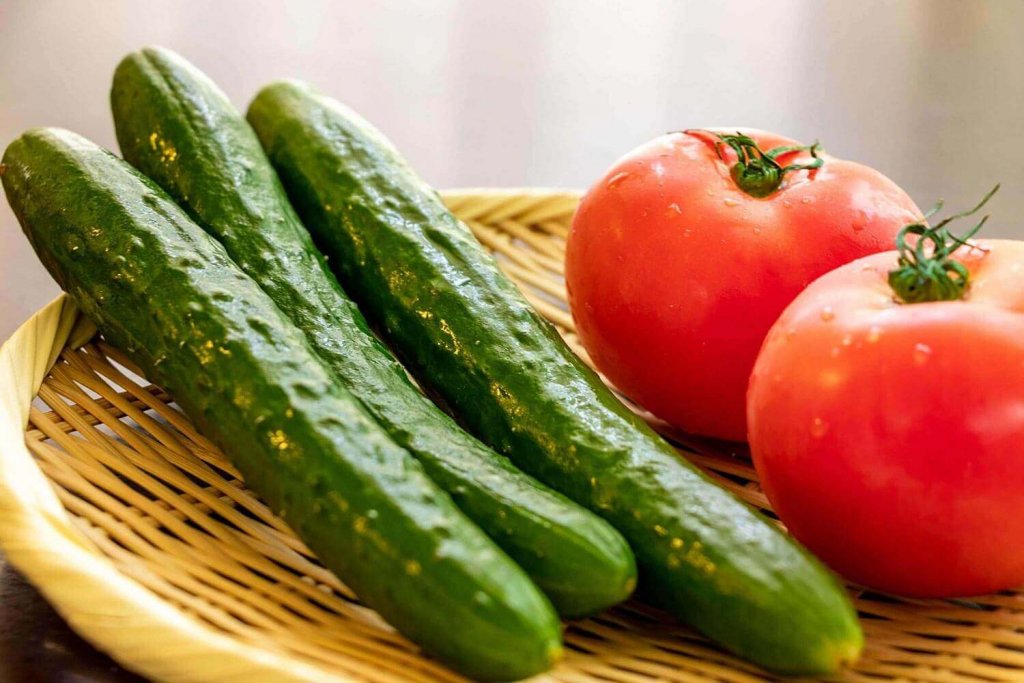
x=926, y=270
x=757, y=172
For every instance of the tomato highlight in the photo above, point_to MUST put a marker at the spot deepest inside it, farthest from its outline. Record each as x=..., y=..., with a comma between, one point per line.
x=886, y=414
x=686, y=251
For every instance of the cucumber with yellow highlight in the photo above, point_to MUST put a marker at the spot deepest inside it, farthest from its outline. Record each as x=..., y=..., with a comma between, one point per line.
x=177, y=127
x=166, y=293
x=466, y=332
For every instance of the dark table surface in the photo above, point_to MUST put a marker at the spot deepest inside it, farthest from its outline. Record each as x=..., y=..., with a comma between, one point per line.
x=36, y=646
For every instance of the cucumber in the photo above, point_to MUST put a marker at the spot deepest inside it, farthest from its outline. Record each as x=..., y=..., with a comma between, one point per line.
x=467, y=333
x=161, y=289
x=221, y=177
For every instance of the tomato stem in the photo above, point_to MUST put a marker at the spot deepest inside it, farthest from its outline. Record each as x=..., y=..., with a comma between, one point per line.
x=757, y=172
x=927, y=271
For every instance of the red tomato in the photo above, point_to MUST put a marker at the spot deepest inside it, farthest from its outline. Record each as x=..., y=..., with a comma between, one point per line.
x=675, y=273
x=890, y=437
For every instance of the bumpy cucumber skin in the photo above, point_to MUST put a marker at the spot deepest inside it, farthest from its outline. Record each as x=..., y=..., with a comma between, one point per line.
x=166, y=293
x=465, y=331
x=179, y=129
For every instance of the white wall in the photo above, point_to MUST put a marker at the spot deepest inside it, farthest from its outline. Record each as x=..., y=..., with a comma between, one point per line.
x=535, y=92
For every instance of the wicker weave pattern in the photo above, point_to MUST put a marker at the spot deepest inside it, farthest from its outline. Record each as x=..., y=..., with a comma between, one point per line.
x=144, y=537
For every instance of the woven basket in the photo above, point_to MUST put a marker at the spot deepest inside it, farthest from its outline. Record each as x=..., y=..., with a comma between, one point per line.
x=144, y=538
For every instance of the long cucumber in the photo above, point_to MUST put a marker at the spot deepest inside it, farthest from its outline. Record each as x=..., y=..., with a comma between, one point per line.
x=467, y=333
x=161, y=289
x=178, y=128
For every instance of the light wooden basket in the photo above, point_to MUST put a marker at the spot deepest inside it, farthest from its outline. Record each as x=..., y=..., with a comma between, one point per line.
x=144, y=538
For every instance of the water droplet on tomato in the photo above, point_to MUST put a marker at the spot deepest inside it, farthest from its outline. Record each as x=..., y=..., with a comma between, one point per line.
x=757, y=231
x=617, y=178
x=922, y=352
x=806, y=200
x=819, y=428
x=827, y=313
x=730, y=202
x=673, y=208
x=847, y=339
x=874, y=333
x=858, y=227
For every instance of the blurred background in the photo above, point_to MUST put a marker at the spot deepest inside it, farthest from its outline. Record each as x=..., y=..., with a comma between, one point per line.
x=550, y=92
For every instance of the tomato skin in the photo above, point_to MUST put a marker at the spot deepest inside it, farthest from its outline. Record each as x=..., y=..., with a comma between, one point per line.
x=675, y=274
x=890, y=437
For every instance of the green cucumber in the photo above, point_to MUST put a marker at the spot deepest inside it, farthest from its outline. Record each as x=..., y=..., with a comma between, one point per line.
x=178, y=128
x=161, y=289
x=467, y=333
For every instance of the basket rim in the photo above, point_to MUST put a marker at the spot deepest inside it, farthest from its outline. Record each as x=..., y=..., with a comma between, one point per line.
x=107, y=608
